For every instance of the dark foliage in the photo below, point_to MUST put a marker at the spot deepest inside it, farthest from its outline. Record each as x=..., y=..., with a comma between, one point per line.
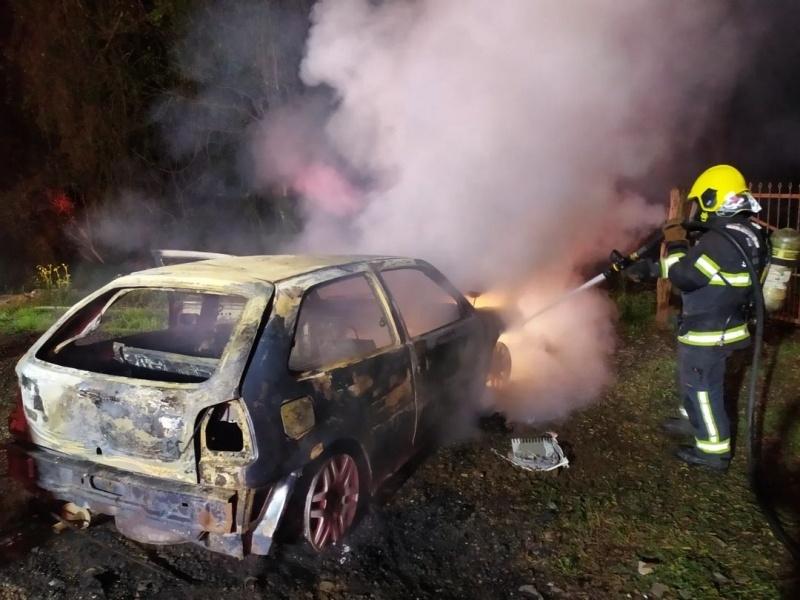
x=132, y=109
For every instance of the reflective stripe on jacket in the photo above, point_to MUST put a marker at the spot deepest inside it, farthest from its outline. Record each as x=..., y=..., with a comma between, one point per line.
x=715, y=285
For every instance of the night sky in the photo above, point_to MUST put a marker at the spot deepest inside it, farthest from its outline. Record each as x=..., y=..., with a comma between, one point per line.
x=761, y=127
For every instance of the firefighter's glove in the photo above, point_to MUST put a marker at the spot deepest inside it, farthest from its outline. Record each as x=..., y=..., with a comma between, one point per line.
x=643, y=269
x=674, y=231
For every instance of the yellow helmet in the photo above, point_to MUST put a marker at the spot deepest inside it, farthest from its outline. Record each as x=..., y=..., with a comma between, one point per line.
x=720, y=186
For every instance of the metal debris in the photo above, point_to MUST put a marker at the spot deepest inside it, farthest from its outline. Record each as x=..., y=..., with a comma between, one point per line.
x=72, y=516
x=540, y=453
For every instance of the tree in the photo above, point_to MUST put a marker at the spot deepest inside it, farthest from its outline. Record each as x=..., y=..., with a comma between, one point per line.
x=152, y=96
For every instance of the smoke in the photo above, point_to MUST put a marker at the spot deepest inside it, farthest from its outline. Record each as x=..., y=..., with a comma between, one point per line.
x=503, y=142
x=235, y=68
x=508, y=143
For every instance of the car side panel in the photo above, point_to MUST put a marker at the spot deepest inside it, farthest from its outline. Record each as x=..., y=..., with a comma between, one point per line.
x=452, y=366
x=370, y=401
x=452, y=362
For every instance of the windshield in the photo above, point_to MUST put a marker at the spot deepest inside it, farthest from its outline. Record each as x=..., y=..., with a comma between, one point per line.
x=146, y=333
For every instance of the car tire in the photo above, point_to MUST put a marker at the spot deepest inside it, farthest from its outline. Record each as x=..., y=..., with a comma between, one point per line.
x=500, y=369
x=327, y=501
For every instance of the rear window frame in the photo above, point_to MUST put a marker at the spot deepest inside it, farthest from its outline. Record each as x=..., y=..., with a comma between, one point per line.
x=45, y=344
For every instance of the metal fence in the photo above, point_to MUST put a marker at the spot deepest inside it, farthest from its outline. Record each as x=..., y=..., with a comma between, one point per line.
x=780, y=207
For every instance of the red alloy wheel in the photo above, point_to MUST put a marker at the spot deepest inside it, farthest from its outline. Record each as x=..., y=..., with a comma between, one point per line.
x=331, y=501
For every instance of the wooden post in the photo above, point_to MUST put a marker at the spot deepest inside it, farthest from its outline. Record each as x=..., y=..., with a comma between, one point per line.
x=663, y=287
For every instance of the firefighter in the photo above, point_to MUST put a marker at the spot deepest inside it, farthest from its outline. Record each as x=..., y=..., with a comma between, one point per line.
x=716, y=292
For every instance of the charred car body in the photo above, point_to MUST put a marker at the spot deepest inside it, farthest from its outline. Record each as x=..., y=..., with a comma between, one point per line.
x=199, y=402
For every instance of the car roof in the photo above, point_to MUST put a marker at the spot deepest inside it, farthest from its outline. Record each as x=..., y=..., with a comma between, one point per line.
x=267, y=268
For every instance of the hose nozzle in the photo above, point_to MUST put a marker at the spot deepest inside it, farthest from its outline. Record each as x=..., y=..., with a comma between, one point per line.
x=619, y=262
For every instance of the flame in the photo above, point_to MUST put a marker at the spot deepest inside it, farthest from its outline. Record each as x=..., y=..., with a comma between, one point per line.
x=496, y=299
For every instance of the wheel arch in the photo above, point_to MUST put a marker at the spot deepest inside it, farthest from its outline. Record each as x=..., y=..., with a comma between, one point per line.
x=356, y=449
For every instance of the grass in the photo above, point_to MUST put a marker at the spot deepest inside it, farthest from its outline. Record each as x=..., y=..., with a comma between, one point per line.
x=636, y=310
x=702, y=534
x=790, y=348
x=36, y=319
x=133, y=320
x=26, y=319
x=35, y=315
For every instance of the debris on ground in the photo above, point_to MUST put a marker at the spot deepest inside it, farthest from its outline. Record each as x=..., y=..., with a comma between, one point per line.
x=530, y=591
x=645, y=568
x=658, y=590
x=540, y=453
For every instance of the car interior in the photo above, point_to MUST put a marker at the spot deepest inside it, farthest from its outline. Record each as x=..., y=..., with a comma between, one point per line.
x=160, y=335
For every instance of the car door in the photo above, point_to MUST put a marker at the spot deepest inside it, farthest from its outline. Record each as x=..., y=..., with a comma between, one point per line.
x=446, y=337
x=348, y=356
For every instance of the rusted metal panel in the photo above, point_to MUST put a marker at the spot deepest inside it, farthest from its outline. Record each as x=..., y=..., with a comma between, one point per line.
x=225, y=468
x=249, y=269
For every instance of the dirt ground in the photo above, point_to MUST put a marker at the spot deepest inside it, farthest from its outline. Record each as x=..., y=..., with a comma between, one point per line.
x=625, y=520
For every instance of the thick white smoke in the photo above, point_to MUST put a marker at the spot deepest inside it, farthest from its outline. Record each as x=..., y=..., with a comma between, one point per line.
x=498, y=139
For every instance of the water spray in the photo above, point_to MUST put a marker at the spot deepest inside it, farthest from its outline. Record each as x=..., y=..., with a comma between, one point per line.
x=619, y=262
x=598, y=279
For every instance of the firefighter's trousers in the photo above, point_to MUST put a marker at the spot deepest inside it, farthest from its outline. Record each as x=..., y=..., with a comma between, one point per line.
x=701, y=375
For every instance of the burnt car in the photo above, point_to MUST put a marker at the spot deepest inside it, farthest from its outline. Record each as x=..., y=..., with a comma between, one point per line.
x=203, y=402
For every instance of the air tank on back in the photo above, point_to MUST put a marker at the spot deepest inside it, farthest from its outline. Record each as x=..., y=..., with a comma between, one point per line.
x=785, y=251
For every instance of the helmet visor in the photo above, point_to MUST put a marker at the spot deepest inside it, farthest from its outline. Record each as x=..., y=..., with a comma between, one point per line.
x=736, y=203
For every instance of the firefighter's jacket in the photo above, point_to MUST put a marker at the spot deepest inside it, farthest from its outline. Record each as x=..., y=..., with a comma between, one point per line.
x=715, y=285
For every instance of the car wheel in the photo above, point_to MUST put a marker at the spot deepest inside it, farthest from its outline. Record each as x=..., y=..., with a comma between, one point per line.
x=331, y=501
x=500, y=369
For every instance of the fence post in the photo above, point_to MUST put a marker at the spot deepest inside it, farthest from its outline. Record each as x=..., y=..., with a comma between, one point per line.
x=663, y=287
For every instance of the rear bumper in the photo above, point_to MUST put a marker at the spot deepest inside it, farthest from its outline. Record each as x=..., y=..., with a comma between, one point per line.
x=158, y=511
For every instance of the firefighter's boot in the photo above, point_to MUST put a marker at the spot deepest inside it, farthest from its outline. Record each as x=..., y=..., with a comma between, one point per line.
x=677, y=427
x=695, y=458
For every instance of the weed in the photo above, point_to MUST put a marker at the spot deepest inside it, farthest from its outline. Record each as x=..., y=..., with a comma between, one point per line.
x=55, y=284
x=636, y=310
x=53, y=277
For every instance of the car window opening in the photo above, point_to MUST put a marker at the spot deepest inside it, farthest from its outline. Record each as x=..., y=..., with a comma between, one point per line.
x=424, y=304
x=339, y=321
x=148, y=333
